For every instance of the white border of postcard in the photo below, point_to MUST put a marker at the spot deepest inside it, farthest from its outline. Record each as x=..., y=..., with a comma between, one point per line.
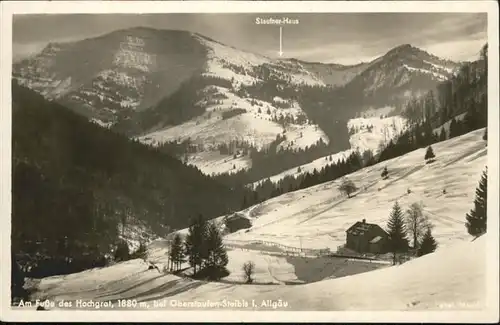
x=40, y=7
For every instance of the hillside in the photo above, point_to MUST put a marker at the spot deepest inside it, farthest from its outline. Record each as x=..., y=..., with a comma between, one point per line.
x=366, y=134
x=68, y=171
x=319, y=215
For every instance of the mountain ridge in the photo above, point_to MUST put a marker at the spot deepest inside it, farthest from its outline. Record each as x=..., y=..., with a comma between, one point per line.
x=155, y=83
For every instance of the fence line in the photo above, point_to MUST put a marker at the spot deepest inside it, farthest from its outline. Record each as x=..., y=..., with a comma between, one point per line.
x=272, y=253
x=285, y=248
x=296, y=251
x=307, y=253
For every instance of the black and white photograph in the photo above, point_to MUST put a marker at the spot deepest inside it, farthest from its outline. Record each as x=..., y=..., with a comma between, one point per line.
x=253, y=158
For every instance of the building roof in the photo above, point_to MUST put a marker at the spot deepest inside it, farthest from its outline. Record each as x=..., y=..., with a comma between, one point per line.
x=236, y=216
x=361, y=227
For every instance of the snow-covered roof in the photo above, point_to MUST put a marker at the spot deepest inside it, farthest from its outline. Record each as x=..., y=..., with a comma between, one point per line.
x=360, y=228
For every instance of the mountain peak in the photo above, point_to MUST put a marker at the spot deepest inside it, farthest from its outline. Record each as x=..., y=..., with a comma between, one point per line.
x=404, y=48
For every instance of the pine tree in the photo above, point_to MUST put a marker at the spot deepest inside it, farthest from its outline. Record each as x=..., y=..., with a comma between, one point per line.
x=477, y=217
x=141, y=252
x=396, y=229
x=217, y=258
x=429, y=155
x=385, y=173
x=244, y=204
x=428, y=244
x=255, y=197
x=176, y=252
x=442, y=134
x=122, y=252
x=453, y=128
x=195, y=243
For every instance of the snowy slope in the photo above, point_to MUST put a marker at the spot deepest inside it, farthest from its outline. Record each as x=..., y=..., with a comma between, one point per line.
x=211, y=162
x=368, y=133
x=254, y=125
x=449, y=279
x=320, y=214
x=233, y=64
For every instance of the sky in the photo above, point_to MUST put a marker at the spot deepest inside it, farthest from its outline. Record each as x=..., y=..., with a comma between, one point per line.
x=345, y=38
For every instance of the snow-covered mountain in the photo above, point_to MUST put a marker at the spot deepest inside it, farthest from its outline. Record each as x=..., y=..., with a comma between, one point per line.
x=393, y=78
x=166, y=85
x=110, y=75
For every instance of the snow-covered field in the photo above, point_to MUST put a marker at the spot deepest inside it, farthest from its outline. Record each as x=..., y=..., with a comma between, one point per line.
x=368, y=134
x=211, y=162
x=321, y=214
x=372, y=131
x=301, y=136
x=449, y=279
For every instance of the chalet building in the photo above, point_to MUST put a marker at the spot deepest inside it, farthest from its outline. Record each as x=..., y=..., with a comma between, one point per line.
x=364, y=237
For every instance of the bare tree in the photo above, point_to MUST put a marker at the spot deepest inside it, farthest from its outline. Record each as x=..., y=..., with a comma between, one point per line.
x=417, y=223
x=249, y=269
x=347, y=186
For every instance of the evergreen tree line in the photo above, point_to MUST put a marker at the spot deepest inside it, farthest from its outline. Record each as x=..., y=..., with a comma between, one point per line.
x=232, y=113
x=267, y=189
x=122, y=252
x=272, y=160
x=179, y=148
